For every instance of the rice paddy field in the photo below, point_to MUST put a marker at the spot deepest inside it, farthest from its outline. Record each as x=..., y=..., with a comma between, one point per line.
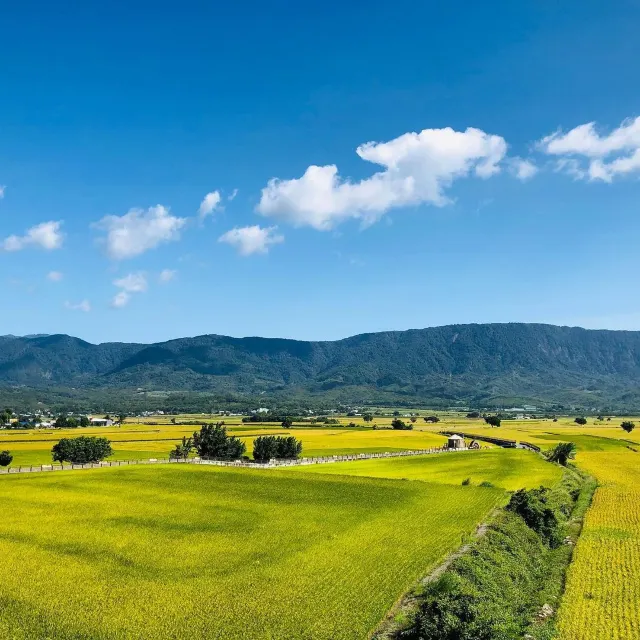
x=205, y=552
x=508, y=469
x=133, y=441
x=311, y=552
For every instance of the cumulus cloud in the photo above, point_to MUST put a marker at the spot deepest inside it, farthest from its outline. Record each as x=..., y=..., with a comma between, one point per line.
x=522, y=169
x=85, y=306
x=129, y=284
x=54, y=276
x=586, y=154
x=43, y=236
x=209, y=204
x=254, y=239
x=138, y=231
x=167, y=275
x=417, y=168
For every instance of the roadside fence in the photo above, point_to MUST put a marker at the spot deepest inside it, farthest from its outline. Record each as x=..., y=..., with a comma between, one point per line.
x=272, y=464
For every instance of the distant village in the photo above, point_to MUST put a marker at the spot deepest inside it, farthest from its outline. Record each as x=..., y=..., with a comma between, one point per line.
x=44, y=419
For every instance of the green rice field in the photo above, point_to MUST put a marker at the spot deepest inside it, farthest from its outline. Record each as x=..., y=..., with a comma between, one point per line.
x=510, y=469
x=205, y=552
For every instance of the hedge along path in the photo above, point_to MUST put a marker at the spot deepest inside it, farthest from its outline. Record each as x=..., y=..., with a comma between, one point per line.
x=602, y=597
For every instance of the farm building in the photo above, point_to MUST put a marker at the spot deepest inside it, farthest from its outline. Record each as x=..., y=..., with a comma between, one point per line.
x=100, y=422
x=455, y=442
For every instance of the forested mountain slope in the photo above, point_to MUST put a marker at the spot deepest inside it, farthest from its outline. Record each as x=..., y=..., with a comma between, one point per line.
x=457, y=362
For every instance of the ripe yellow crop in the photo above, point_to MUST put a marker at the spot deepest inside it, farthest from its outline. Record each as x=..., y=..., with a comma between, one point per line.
x=208, y=552
x=602, y=599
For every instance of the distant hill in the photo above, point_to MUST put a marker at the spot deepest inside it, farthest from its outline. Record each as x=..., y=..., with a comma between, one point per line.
x=467, y=364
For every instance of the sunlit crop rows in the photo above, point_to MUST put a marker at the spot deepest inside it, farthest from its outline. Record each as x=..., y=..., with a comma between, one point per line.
x=134, y=441
x=510, y=469
x=602, y=600
x=202, y=552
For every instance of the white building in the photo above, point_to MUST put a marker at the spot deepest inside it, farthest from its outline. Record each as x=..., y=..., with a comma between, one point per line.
x=100, y=422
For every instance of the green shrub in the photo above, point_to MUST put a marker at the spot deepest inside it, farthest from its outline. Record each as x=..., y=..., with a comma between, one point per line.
x=281, y=447
x=5, y=458
x=533, y=507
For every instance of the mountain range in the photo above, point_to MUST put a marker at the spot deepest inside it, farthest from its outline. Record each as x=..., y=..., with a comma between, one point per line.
x=470, y=364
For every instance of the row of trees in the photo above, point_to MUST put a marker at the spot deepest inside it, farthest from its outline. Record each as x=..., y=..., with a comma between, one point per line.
x=212, y=441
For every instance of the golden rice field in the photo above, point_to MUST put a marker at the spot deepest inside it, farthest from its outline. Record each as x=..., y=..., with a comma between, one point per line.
x=602, y=599
x=509, y=469
x=206, y=552
x=33, y=447
x=181, y=552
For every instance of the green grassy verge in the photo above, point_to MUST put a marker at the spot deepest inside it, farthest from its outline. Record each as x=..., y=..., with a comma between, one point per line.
x=497, y=590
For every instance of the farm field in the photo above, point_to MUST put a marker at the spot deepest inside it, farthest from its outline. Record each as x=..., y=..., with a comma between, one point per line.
x=33, y=447
x=185, y=552
x=602, y=599
x=53, y=526
x=509, y=469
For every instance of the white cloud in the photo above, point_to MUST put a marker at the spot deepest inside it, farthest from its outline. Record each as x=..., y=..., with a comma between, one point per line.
x=129, y=284
x=44, y=236
x=138, y=231
x=132, y=283
x=418, y=168
x=571, y=167
x=54, y=276
x=85, y=306
x=166, y=275
x=2, y=190
x=604, y=156
x=234, y=193
x=210, y=203
x=120, y=299
x=254, y=239
x=522, y=169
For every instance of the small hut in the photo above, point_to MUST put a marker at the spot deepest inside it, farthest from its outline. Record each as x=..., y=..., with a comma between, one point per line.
x=455, y=442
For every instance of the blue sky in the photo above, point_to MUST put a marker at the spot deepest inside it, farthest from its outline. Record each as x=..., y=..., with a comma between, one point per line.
x=485, y=195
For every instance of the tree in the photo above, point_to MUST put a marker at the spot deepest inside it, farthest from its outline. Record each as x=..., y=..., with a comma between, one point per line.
x=494, y=421
x=413, y=419
x=66, y=422
x=628, y=426
x=5, y=416
x=580, y=420
x=600, y=418
x=562, y=453
x=212, y=441
x=287, y=423
x=400, y=425
x=431, y=419
x=473, y=414
x=532, y=506
x=182, y=449
x=367, y=417
x=121, y=418
x=280, y=447
x=84, y=421
x=396, y=413
x=81, y=450
x=5, y=458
